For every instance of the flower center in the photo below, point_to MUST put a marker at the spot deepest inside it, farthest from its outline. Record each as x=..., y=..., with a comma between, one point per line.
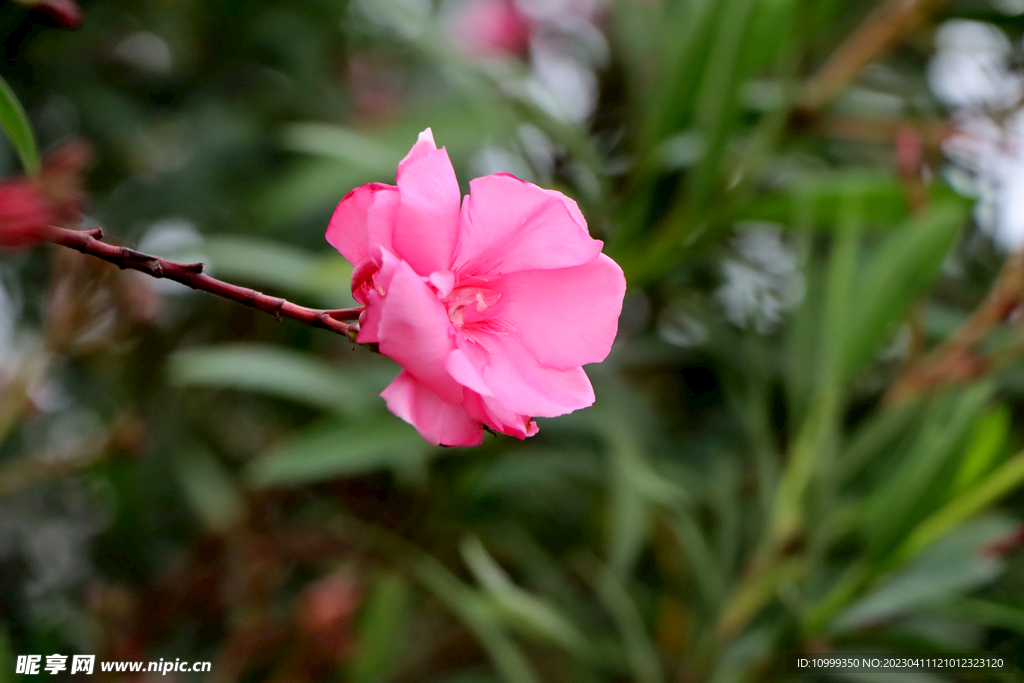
x=470, y=304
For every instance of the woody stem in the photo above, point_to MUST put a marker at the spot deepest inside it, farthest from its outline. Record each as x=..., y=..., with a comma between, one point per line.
x=191, y=275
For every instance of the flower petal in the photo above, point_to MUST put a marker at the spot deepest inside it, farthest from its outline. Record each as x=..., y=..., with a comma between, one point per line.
x=498, y=366
x=424, y=145
x=566, y=317
x=369, y=319
x=508, y=225
x=440, y=423
x=363, y=218
x=496, y=416
x=427, y=223
x=415, y=330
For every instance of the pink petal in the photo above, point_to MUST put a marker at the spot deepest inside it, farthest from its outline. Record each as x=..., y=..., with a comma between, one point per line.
x=496, y=416
x=415, y=330
x=440, y=423
x=424, y=145
x=427, y=223
x=509, y=225
x=364, y=217
x=443, y=281
x=566, y=317
x=498, y=366
x=369, y=320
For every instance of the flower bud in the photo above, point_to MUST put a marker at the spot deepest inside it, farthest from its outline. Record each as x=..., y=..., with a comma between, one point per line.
x=23, y=213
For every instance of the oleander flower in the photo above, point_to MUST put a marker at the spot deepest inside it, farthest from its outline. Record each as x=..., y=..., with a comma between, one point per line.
x=491, y=306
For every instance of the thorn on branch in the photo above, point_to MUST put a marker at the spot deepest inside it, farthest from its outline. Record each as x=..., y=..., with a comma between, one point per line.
x=278, y=305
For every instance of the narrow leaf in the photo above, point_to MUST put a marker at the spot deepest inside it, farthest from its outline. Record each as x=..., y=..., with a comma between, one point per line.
x=15, y=122
x=520, y=608
x=339, y=450
x=276, y=372
x=480, y=618
x=1000, y=482
x=382, y=624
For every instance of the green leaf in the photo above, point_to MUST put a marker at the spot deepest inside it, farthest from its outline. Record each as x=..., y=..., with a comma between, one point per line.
x=309, y=188
x=480, y=616
x=633, y=485
x=715, y=109
x=918, y=485
x=990, y=435
x=983, y=612
x=275, y=371
x=950, y=568
x=708, y=574
x=877, y=438
x=280, y=267
x=210, y=490
x=344, y=144
x=641, y=652
x=882, y=195
x=1000, y=482
x=382, y=624
x=901, y=268
x=520, y=609
x=15, y=122
x=333, y=450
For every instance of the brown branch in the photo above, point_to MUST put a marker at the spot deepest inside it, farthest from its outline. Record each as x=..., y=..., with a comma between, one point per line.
x=191, y=275
x=881, y=130
x=880, y=30
x=955, y=360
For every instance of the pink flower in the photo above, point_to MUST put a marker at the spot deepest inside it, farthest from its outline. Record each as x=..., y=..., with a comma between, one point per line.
x=491, y=307
x=23, y=213
x=484, y=28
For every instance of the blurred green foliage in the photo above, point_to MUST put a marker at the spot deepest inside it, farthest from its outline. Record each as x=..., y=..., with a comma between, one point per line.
x=763, y=473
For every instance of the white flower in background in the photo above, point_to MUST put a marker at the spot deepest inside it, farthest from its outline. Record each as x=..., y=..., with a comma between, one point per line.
x=146, y=52
x=970, y=73
x=562, y=85
x=16, y=345
x=969, y=69
x=680, y=327
x=46, y=531
x=762, y=281
x=8, y=315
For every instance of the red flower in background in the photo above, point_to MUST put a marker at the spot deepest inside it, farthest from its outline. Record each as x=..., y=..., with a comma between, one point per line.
x=28, y=205
x=491, y=27
x=23, y=211
x=65, y=12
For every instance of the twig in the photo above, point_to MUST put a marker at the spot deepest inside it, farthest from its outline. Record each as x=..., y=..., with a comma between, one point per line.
x=878, y=32
x=955, y=359
x=191, y=275
x=881, y=130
